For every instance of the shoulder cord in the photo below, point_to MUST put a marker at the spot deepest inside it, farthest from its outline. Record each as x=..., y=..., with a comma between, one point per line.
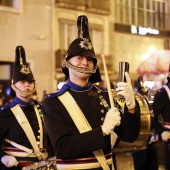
x=105, y=104
x=23, y=121
x=81, y=123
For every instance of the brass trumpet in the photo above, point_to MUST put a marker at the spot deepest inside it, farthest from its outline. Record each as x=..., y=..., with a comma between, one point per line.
x=123, y=67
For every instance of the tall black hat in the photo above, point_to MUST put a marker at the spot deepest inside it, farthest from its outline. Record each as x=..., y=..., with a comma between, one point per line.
x=1, y=95
x=82, y=46
x=21, y=70
x=168, y=77
x=142, y=90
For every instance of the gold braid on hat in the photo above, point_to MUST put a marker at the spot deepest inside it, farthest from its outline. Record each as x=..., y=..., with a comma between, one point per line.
x=78, y=69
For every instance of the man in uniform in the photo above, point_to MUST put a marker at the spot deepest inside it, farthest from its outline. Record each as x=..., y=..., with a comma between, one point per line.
x=78, y=117
x=161, y=110
x=22, y=134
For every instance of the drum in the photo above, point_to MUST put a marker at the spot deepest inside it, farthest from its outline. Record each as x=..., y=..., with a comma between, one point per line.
x=145, y=131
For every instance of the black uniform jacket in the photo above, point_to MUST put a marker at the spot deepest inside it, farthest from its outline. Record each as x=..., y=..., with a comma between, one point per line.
x=161, y=110
x=67, y=142
x=10, y=128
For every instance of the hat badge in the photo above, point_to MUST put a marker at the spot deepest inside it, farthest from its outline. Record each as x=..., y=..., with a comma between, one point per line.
x=25, y=69
x=85, y=44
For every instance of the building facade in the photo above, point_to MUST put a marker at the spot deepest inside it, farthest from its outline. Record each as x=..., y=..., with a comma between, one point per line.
x=121, y=30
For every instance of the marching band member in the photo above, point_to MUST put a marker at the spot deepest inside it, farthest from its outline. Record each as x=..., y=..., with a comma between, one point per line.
x=23, y=137
x=78, y=117
x=161, y=110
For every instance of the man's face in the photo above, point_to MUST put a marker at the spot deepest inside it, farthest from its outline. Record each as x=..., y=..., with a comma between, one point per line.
x=82, y=62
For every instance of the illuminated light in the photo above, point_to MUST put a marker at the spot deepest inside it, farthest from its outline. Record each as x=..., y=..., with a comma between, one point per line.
x=144, y=31
x=134, y=29
x=8, y=91
x=149, y=84
x=145, y=56
x=152, y=49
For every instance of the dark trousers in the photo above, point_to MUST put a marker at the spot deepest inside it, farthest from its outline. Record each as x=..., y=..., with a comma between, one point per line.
x=3, y=167
x=167, y=155
x=146, y=159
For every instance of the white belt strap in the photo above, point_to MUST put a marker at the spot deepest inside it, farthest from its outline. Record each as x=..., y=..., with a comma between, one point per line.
x=19, y=146
x=167, y=90
x=82, y=124
x=82, y=166
x=22, y=120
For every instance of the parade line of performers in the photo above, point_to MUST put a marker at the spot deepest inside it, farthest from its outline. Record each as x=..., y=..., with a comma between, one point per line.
x=75, y=123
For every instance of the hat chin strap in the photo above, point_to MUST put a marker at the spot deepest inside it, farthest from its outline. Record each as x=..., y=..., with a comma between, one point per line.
x=26, y=94
x=79, y=69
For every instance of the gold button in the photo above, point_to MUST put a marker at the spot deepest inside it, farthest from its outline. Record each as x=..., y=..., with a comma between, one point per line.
x=101, y=103
x=100, y=96
x=102, y=111
x=39, y=131
x=102, y=119
x=38, y=105
x=38, y=137
x=98, y=91
x=38, y=142
x=39, y=110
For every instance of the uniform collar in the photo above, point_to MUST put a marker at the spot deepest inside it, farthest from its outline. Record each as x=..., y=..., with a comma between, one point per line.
x=16, y=101
x=22, y=103
x=67, y=86
x=162, y=89
x=78, y=88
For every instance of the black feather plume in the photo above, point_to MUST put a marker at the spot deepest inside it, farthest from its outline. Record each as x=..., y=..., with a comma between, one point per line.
x=82, y=26
x=20, y=57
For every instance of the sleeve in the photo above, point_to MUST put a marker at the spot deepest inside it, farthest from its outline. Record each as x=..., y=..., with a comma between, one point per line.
x=158, y=107
x=3, y=131
x=129, y=129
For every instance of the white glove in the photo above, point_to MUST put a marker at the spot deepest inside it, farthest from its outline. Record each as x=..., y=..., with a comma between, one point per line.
x=125, y=89
x=112, y=119
x=9, y=161
x=165, y=135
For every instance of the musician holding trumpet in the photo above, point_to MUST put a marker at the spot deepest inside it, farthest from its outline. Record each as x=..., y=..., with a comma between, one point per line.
x=79, y=118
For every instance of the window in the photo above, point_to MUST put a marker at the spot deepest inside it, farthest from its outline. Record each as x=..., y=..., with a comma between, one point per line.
x=68, y=32
x=94, y=6
x=148, y=13
x=97, y=40
x=5, y=72
x=11, y=5
x=6, y=69
x=6, y=3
